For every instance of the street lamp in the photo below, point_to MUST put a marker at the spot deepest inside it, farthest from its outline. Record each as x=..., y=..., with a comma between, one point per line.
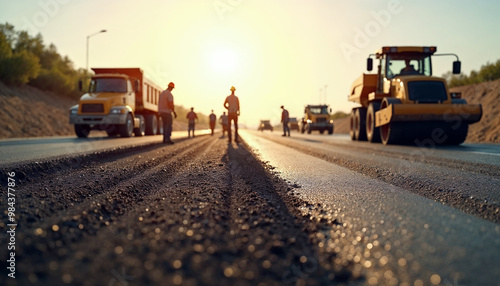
x=88, y=37
x=325, y=92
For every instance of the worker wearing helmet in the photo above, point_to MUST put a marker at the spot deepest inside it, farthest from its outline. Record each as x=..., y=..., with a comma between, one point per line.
x=232, y=104
x=165, y=110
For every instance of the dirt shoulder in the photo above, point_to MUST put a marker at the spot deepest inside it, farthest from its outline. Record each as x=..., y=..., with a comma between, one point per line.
x=488, y=94
x=30, y=112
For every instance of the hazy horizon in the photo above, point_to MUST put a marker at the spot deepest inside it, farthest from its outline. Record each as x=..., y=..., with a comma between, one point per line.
x=281, y=52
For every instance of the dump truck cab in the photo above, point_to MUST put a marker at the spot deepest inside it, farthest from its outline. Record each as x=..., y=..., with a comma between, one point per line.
x=316, y=117
x=107, y=91
x=120, y=101
x=403, y=102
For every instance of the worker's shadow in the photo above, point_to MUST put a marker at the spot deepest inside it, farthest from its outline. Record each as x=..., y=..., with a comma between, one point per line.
x=266, y=194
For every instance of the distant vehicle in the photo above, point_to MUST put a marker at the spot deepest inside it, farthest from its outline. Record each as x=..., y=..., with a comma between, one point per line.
x=316, y=117
x=265, y=125
x=120, y=101
x=294, y=124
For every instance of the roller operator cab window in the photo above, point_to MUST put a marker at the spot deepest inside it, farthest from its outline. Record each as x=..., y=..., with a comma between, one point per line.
x=319, y=110
x=427, y=91
x=108, y=85
x=407, y=64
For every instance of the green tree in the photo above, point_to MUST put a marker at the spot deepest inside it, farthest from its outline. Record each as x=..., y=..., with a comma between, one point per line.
x=19, y=68
x=16, y=67
x=488, y=72
x=25, y=59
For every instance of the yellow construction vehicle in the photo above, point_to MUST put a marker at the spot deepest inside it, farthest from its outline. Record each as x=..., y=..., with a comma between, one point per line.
x=316, y=117
x=404, y=104
x=120, y=101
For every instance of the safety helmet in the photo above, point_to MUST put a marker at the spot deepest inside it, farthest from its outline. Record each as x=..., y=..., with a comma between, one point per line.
x=171, y=84
x=233, y=88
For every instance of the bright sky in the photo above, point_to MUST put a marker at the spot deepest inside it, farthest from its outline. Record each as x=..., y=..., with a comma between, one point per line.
x=275, y=52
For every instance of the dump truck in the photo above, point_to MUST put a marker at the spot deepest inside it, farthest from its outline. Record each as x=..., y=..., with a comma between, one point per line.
x=316, y=117
x=120, y=101
x=403, y=103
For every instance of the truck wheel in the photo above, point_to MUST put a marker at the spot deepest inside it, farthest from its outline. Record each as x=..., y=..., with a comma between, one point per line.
x=360, y=123
x=151, y=124
x=352, y=130
x=160, y=126
x=330, y=131
x=141, y=130
x=372, y=132
x=82, y=130
x=309, y=129
x=127, y=129
x=391, y=133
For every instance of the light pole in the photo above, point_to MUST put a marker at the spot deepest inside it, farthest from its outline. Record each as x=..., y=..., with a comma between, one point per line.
x=88, y=37
x=325, y=92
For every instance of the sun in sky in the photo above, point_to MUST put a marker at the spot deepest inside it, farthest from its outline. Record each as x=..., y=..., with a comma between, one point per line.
x=223, y=60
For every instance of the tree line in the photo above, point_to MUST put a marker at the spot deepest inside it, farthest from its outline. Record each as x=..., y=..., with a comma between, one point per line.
x=25, y=59
x=488, y=72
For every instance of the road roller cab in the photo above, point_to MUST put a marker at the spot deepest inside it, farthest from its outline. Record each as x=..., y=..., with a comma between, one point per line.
x=404, y=103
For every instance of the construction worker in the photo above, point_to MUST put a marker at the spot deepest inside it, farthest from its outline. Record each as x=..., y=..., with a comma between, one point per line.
x=223, y=121
x=232, y=104
x=211, y=119
x=165, y=109
x=408, y=69
x=285, y=118
x=192, y=117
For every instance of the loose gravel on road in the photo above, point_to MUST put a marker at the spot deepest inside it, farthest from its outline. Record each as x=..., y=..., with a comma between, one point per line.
x=200, y=212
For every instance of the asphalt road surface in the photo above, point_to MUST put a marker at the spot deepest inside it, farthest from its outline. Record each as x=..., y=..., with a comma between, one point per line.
x=301, y=210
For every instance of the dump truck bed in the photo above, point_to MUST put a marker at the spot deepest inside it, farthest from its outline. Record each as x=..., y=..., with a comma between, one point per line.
x=364, y=85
